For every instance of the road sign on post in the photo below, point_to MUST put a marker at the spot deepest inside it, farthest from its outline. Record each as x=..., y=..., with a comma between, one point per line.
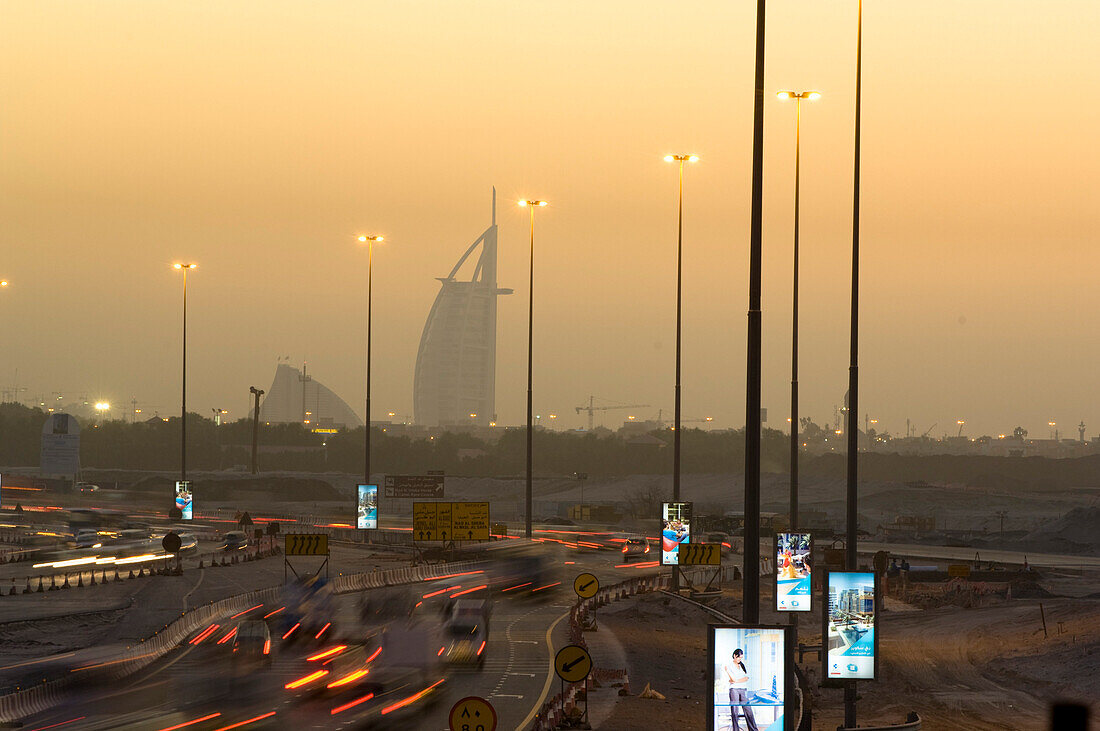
x=414, y=486
x=473, y=714
x=573, y=663
x=451, y=521
x=586, y=585
x=700, y=554
x=306, y=544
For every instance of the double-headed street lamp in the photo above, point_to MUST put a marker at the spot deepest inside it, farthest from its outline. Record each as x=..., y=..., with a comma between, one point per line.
x=532, y=204
x=798, y=96
x=183, y=379
x=369, y=241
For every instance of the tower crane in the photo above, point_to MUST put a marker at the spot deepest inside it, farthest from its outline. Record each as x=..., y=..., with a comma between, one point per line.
x=591, y=408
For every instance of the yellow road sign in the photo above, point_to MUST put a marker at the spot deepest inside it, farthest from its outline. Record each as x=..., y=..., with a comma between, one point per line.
x=306, y=544
x=960, y=570
x=473, y=714
x=586, y=585
x=572, y=663
x=700, y=554
x=451, y=521
x=470, y=521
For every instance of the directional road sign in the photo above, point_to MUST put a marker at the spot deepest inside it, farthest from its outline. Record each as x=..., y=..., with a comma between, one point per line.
x=451, y=521
x=586, y=585
x=572, y=663
x=306, y=544
x=414, y=486
x=700, y=554
x=473, y=714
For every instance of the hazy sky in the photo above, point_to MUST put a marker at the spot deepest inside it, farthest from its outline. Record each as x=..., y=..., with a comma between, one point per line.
x=259, y=137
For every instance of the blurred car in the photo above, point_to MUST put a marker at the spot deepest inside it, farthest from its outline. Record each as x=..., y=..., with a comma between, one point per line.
x=188, y=542
x=721, y=539
x=467, y=632
x=86, y=487
x=252, y=643
x=235, y=540
x=635, y=549
x=87, y=538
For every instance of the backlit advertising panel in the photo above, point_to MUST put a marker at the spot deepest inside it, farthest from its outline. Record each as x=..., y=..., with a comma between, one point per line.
x=793, y=556
x=675, y=529
x=748, y=683
x=184, y=499
x=367, y=517
x=850, y=619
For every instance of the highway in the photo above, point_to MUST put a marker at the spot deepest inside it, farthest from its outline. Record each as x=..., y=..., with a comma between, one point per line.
x=966, y=554
x=198, y=681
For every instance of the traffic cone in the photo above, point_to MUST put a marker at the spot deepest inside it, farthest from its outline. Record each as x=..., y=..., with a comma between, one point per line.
x=80, y=580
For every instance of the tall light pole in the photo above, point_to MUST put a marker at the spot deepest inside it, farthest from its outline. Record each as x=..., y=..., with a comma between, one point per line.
x=183, y=379
x=532, y=204
x=681, y=159
x=852, y=491
x=750, y=611
x=798, y=96
x=369, y=241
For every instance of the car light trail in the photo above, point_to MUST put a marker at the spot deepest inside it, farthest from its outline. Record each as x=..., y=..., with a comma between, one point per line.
x=328, y=653
x=274, y=612
x=205, y=633
x=467, y=591
x=548, y=586
x=451, y=576
x=246, y=611
x=441, y=591
x=441, y=649
x=305, y=680
x=323, y=630
x=228, y=636
x=510, y=588
x=411, y=699
x=480, y=649
x=349, y=678
x=290, y=631
x=374, y=654
x=352, y=704
x=245, y=723
x=190, y=723
x=55, y=725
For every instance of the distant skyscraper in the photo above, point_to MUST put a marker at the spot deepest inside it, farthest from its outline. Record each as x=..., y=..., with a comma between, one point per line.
x=295, y=398
x=456, y=364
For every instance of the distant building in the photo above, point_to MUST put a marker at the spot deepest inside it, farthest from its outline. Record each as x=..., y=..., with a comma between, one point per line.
x=455, y=379
x=297, y=398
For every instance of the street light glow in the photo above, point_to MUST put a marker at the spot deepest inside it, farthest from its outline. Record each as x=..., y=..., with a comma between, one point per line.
x=365, y=239
x=681, y=158
x=184, y=266
x=788, y=94
x=524, y=203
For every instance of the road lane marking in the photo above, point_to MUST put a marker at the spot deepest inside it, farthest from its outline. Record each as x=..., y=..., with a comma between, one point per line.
x=549, y=675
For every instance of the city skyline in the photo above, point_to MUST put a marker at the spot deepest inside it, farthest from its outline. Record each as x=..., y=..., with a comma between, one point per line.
x=264, y=176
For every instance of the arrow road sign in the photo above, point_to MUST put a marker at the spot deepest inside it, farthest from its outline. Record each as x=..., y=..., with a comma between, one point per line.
x=572, y=663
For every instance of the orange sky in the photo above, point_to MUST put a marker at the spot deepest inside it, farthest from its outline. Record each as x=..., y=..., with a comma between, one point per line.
x=258, y=138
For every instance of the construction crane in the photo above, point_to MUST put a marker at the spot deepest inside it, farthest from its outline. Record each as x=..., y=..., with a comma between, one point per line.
x=592, y=408
x=927, y=431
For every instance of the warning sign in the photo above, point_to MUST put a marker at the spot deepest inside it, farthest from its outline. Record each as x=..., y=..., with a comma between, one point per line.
x=700, y=554
x=306, y=544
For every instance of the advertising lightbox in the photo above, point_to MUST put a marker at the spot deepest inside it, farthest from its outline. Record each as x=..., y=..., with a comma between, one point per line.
x=793, y=558
x=748, y=683
x=850, y=618
x=184, y=499
x=367, y=517
x=675, y=529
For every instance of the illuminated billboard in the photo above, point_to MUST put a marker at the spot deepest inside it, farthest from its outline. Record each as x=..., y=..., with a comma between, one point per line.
x=368, y=507
x=184, y=500
x=793, y=557
x=850, y=618
x=675, y=529
x=748, y=677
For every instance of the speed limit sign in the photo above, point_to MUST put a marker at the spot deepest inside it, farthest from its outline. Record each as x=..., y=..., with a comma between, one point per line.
x=473, y=714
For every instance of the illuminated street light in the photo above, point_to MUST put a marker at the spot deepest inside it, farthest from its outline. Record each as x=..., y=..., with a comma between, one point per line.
x=798, y=96
x=183, y=376
x=369, y=241
x=532, y=204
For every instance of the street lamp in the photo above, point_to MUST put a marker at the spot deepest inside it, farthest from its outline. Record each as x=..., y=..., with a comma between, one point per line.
x=532, y=204
x=102, y=407
x=183, y=378
x=680, y=159
x=798, y=96
x=369, y=241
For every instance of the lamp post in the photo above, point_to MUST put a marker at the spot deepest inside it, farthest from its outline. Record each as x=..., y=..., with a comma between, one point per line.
x=531, y=204
x=852, y=487
x=183, y=379
x=369, y=241
x=681, y=159
x=798, y=96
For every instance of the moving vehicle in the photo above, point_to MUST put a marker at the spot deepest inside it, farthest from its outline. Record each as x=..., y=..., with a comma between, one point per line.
x=87, y=538
x=635, y=549
x=252, y=643
x=467, y=632
x=235, y=540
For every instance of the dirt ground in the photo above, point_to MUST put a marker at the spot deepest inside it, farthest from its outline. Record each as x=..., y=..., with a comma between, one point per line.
x=981, y=669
